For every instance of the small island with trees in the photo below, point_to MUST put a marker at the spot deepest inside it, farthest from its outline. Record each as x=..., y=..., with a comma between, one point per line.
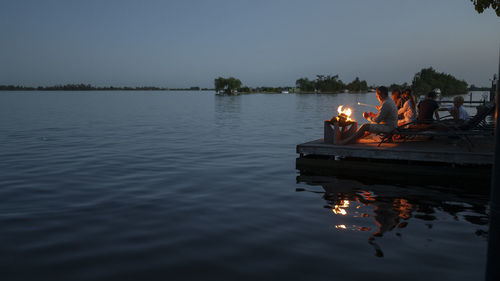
x=227, y=86
x=330, y=84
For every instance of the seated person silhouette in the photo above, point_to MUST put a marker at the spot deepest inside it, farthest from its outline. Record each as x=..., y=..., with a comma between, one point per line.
x=457, y=111
x=397, y=98
x=385, y=121
x=407, y=113
x=428, y=108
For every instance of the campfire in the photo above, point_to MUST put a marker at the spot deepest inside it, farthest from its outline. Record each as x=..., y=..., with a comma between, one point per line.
x=340, y=126
x=344, y=113
x=344, y=117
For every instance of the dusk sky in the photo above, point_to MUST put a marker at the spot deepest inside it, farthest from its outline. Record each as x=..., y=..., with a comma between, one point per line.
x=273, y=42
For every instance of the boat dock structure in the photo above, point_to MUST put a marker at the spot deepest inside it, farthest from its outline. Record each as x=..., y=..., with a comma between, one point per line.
x=448, y=151
x=436, y=157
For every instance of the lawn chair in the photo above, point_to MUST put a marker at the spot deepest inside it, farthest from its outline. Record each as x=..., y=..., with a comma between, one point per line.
x=475, y=126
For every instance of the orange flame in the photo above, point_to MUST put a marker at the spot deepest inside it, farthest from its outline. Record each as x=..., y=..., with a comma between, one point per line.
x=347, y=111
x=340, y=208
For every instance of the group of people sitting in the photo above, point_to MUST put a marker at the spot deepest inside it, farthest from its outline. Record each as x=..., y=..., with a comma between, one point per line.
x=401, y=110
x=427, y=109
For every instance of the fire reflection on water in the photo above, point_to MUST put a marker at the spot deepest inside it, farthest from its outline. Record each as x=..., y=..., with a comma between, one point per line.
x=386, y=214
x=367, y=195
x=381, y=210
x=341, y=208
x=385, y=217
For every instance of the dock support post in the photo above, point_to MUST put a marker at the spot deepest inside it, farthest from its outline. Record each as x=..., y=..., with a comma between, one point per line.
x=492, y=268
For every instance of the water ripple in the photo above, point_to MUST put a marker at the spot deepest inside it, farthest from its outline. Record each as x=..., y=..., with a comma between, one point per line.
x=185, y=185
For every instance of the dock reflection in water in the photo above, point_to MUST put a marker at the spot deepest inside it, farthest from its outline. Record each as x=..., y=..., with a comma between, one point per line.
x=395, y=211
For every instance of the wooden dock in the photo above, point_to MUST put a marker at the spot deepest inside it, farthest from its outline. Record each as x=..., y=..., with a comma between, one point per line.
x=438, y=150
x=437, y=161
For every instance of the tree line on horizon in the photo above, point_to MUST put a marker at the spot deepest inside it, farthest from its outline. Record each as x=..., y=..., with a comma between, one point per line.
x=330, y=84
x=74, y=87
x=231, y=85
x=89, y=87
x=423, y=82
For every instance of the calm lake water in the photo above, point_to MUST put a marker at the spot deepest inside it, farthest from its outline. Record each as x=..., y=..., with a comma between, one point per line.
x=190, y=185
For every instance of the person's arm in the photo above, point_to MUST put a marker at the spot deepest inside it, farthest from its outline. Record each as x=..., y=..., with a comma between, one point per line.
x=368, y=115
x=454, y=112
x=403, y=109
x=464, y=113
x=436, y=113
x=381, y=115
x=448, y=108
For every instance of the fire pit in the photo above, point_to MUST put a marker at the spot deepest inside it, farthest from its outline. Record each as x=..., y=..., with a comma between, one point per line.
x=340, y=126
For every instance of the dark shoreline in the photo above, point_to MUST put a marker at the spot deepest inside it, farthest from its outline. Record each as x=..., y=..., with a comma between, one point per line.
x=92, y=88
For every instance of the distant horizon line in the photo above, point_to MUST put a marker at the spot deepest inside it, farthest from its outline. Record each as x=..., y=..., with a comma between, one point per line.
x=90, y=87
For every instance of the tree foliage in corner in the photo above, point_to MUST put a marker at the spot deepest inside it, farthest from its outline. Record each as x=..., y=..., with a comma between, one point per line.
x=481, y=5
x=228, y=85
x=429, y=79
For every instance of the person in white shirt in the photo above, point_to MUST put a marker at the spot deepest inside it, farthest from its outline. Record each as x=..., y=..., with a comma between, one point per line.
x=457, y=110
x=408, y=112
